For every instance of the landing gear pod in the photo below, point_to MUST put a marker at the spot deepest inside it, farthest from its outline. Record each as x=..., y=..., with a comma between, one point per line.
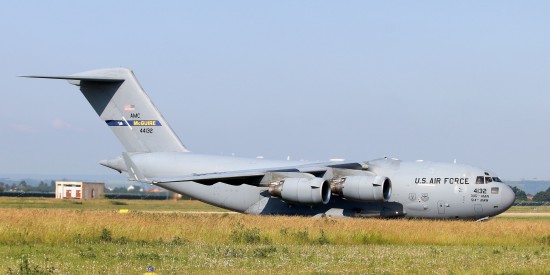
x=302, y=190
x=363, y=188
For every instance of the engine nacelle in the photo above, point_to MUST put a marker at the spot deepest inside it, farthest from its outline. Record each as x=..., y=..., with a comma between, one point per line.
x=363, y=188
x=302, y=190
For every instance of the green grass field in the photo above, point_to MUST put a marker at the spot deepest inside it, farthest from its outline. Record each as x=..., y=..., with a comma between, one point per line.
x=106, y=204
x=44, y=236
x=529, y=209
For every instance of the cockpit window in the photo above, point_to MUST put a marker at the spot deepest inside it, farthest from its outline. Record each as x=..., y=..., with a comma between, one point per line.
x=494, y=190
x=480, y=180
x=488, y=179
x=496, y=179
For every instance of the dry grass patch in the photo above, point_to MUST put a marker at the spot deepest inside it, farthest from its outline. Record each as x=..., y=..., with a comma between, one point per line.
x=60, y=225
x=106, y=241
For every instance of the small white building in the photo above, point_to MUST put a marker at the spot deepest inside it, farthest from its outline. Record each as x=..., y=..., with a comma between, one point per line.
x=78, y=190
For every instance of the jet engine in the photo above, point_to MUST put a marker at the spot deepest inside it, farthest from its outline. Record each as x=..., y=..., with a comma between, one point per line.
x=302, y=190
x=362, y=188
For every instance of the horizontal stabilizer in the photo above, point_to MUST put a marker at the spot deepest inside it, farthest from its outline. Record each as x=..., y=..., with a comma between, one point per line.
x=75, y=77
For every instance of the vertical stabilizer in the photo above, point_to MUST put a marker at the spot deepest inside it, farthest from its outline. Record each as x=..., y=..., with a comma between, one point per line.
x=118, y=99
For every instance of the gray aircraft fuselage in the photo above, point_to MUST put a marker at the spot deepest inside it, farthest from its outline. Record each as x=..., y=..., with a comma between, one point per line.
x=420, y=189
x=378, y=188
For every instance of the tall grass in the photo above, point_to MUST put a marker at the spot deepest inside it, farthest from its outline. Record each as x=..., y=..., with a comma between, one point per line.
x=51, y=226
x=45, y=241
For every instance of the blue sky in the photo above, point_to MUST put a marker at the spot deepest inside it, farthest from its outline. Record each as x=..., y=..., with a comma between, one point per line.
x=313, y=80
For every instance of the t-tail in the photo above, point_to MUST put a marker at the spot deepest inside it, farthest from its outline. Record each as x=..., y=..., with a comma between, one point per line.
x=118, y=99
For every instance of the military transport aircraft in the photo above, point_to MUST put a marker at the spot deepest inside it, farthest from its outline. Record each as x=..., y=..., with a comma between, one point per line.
x=384, y=187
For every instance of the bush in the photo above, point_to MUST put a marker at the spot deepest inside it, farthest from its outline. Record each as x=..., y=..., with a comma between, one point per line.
x=301, y=237
x=239, y=234
x=542, y=196
x=323, y=239
x=264, y=252
x=106, y=235
x=25, y=267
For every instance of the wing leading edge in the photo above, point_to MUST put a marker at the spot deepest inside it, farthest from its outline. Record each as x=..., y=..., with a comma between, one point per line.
x=257, y=176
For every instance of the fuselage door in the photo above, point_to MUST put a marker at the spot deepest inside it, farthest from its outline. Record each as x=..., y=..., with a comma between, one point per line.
x=441, y=207
x=478, y=208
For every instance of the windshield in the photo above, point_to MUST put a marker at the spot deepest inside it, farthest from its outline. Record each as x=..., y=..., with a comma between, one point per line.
x=487, y=180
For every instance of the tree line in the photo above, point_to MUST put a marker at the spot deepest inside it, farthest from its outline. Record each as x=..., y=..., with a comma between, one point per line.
x=22, y=186
x=542, y=196
x=44, y=187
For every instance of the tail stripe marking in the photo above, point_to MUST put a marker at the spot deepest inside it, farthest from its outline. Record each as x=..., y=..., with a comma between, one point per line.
x=130, y=123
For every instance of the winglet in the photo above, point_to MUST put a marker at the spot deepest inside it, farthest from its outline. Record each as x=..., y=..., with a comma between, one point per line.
x=133, y=172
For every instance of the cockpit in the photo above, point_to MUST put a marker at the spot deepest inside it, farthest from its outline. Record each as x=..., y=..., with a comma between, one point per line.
x=487, y=179
x=499, y=194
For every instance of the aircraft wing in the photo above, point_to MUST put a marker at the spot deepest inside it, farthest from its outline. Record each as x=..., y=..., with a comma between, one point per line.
x=234, y=177
x=253, y=177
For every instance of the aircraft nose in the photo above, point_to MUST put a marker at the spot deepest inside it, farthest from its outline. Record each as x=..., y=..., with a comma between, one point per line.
x=507, y=197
